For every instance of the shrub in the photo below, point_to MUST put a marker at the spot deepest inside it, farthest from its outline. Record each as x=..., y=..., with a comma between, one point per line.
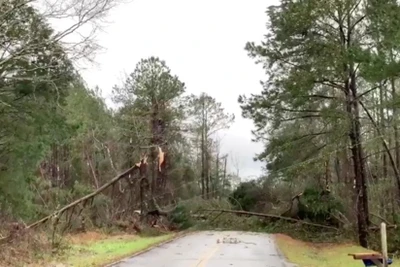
x=246, y=196
x=180, y=216
x=318, y=206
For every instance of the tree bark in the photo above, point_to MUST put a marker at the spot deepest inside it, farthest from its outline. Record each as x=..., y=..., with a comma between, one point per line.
x=155, y=142
x=202, y=165
x=92, y=171
x=396, y=130
x=225, y=161
x=216, y=172
x=207, y=156
x=358, y=158
x=203, y=159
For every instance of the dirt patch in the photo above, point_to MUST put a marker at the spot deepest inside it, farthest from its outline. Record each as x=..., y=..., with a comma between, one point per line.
x=88, y=237
x=290, y=240
x=95, y=236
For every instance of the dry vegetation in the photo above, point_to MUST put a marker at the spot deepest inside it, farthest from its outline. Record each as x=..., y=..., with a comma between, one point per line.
x=307, y=254
x=92, y=248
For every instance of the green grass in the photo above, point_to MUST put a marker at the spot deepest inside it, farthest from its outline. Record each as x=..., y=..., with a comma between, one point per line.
x=107, y=251
x=321, y=255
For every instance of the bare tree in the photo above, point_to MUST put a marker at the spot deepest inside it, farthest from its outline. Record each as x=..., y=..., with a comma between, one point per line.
x=207, y=118
x=236, y=164
x=75, y=23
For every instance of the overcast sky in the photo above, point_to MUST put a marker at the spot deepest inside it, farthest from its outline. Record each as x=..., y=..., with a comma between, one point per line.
x=202, y=41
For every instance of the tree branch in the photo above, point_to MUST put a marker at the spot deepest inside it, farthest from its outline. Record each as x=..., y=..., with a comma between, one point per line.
x=319, y=96
x=385, y=145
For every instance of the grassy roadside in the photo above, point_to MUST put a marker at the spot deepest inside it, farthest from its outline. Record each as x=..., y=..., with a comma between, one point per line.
x=320, y=255
x=110, y=250
x=96, y=249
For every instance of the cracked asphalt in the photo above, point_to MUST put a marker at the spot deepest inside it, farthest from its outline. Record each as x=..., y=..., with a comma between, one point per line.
x=212, y=249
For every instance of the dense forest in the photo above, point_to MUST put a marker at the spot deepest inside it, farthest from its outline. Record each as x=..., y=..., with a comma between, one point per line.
x=327, y=115
x=59, y=141
x=328, y=112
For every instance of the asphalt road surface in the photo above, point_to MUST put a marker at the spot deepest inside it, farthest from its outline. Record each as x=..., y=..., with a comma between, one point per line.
x=212, y=249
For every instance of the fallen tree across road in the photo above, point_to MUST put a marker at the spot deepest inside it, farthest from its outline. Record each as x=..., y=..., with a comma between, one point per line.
x=242, y=212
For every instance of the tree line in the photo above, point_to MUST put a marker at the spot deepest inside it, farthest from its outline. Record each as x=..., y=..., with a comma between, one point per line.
x=327, y=116
x=59, y=140
x=328, y=111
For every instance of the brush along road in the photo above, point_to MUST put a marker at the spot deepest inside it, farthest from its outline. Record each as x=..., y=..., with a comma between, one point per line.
x=212, y=249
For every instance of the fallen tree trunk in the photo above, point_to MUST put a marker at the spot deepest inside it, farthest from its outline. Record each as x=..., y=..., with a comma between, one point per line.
x=85, y=198
x=59, y=212
x=157, y=213
x=376, y=228
x=242, y=212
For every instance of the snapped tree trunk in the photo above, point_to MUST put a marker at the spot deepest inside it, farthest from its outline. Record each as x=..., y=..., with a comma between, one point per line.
x=92, y=171
x=153, y=149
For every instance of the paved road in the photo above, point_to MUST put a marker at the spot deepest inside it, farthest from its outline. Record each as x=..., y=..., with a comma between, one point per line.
x=212, y=249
